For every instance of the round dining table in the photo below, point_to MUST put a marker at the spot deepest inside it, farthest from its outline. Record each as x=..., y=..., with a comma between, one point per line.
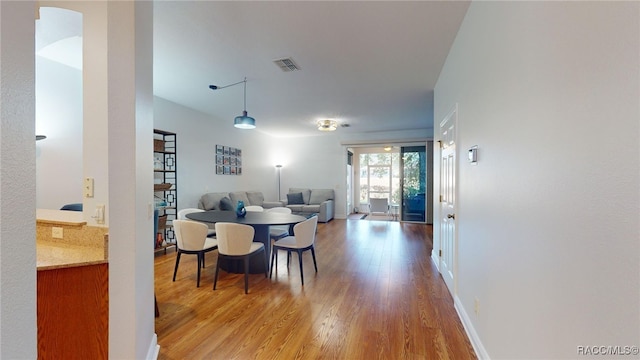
x=259, y=220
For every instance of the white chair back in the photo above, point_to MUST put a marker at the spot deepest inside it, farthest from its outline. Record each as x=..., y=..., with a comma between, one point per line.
x=279, y=209
x=255, y=208
x=234, y=239
x=182, y=214
x=305, y=232
x=190, y=235
x=379, y=205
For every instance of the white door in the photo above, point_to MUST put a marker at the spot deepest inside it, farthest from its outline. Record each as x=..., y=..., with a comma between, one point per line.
x=448, y=200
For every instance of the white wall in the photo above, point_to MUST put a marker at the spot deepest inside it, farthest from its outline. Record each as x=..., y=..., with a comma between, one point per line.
x=59, y=117
x=548, y=222
x=314, y=162
x=130, y=179
x=18, y=185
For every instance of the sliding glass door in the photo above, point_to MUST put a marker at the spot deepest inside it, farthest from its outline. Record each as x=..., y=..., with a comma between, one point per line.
x=414, y=183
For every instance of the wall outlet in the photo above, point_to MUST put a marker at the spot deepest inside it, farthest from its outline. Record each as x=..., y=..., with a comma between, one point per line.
x=476, y=306
x=57, y=232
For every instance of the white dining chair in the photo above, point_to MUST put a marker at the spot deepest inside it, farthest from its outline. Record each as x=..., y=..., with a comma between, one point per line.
x=279, y=231
x=303, y=239
x=191, y=238
x=235, y=242
x=182, y=215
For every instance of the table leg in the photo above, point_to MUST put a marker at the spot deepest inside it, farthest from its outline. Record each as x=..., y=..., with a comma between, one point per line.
x=262, y=235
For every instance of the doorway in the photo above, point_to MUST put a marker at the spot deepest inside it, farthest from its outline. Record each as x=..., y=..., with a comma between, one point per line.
x=379, y=177
x=403, y=173
x=414, y=183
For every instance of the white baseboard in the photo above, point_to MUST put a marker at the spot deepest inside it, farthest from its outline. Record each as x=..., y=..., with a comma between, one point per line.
x=154, y=348
x=481, y=353
x=435, y=259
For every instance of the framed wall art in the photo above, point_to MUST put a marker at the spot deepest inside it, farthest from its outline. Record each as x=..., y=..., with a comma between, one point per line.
x=228, y=160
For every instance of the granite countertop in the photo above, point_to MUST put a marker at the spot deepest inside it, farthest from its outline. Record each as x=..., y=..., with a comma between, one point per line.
x=78, y=245
x=55, y=255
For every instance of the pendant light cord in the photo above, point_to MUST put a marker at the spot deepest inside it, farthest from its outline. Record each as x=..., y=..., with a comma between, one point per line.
x=215, y=87
x=245, y=94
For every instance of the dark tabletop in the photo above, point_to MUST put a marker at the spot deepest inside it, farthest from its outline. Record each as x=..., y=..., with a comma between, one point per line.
x=252, y=217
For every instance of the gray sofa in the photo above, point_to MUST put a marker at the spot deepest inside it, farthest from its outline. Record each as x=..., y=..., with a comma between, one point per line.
x=212, y=201
x=320, y=201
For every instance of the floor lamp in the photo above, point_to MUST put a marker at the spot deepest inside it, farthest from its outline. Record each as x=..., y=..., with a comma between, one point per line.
x=278, y=168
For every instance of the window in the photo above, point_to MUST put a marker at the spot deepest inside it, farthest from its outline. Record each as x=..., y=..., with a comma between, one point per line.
x=380, y=177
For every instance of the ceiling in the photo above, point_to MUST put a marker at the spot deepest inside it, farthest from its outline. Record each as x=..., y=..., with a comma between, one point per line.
x=369, y=65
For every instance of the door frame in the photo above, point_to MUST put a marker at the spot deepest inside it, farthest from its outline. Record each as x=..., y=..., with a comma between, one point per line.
x=437, y=188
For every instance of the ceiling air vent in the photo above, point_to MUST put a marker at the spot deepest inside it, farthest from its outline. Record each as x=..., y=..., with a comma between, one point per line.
x=286, y=64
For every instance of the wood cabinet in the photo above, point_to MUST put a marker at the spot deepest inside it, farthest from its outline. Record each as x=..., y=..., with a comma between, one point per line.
x=165, y=185
x=73, y=312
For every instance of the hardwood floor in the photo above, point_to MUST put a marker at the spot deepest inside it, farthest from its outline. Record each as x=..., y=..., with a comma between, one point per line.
x=376, y=295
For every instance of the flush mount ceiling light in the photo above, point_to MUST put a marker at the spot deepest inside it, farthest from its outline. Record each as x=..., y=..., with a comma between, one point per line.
x=243, y=121
x=387, y=148
x=327, y=125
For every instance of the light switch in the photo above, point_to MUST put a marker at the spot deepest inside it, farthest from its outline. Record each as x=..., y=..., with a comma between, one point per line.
x=88, y=187
x=99, y=214
x=473, y=155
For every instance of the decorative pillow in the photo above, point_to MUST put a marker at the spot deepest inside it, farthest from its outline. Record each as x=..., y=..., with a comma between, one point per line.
x=225, y=204
x=295, y=199
x=306, y=193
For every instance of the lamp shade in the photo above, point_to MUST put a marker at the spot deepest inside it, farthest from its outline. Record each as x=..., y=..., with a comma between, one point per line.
x=244, y=121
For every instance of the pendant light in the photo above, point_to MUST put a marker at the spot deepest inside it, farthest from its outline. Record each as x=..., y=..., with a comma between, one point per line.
x=243, y=121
